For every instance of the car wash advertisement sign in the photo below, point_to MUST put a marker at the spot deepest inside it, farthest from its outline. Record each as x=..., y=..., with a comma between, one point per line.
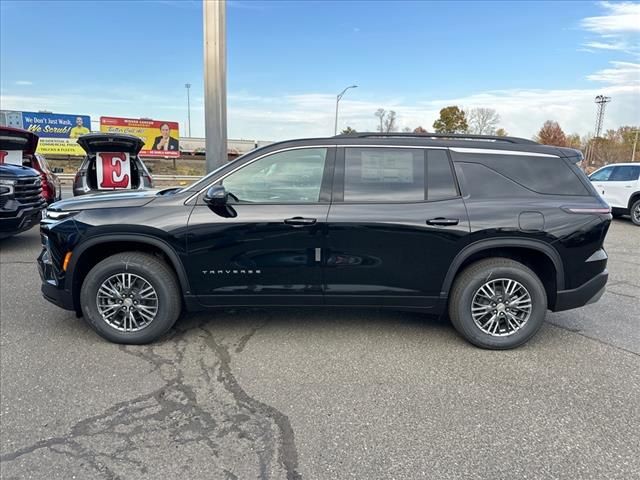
x=58, y=132
x=161, y=138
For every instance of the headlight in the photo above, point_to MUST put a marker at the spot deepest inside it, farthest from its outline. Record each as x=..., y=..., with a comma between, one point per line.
x=6, y=186
x=59, y=215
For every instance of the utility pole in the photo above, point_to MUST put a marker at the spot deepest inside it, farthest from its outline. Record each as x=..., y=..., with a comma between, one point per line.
x=635, y=143
x=215, y=83
x=601, y=101
x=188, y=86
x=338, y=98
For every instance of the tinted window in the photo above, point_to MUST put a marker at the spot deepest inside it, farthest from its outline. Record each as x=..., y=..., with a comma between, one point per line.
x=549, y=175
x=384, y=175
x=602, y=175
x=440, y=182
x=627, y=173
x=294, y=176
x=479, y=181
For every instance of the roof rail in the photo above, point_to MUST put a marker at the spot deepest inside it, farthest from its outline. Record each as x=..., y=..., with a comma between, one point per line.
x=456, y=136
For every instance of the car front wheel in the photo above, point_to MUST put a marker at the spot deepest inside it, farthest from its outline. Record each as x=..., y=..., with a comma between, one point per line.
x=635, y=212
x=497, y=303
x=131, y=298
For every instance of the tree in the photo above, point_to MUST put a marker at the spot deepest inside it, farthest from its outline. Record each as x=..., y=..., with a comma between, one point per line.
x=551, y=134
x=574, y=141
x=501, y=132
x=390, y=122
x=483, y=121
x=381, y=113
x=347, y=131
x=419, y=130
x=406, y=129
x=452, y=120
x=387, y=120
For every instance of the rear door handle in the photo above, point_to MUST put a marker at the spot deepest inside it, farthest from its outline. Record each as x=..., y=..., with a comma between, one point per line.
x=300, y=221
x=443, y=221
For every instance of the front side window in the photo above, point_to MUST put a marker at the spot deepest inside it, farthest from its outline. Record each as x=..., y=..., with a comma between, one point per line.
x=601, y=175
x=293, y=176
x=625, y=173
x=384, y=175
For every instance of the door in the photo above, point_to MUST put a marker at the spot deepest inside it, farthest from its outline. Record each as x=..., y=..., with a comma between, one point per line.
x=396, y=222
x=264, y=246
x=621, y=184
x=600, y=180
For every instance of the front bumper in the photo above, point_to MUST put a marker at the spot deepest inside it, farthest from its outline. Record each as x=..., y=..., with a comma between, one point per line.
x=24, y=220
x=589, y=292
x=53, y=284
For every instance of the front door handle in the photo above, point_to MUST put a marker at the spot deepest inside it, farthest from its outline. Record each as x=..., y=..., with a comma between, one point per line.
x=443, y=221
x=300, y=221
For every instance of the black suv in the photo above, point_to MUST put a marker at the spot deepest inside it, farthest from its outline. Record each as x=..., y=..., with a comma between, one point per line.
x=492, y=230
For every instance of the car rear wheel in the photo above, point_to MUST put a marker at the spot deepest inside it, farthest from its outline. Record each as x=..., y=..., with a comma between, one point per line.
x=635, y=212
x=497, y=303
x=131, y=298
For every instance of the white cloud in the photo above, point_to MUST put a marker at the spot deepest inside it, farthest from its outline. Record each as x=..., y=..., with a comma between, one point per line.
x=23, y=82
x=620, y=17
x=617, y=30
x=622, y=73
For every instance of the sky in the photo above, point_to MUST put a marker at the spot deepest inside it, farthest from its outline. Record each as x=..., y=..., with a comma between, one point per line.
x=287, y=61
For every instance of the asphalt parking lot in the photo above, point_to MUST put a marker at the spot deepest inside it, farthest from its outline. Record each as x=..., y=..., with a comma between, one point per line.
x=322, y=394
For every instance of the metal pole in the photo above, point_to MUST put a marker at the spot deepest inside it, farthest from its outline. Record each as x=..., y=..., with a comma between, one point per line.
x=338, y=98
x=215, y=83
x=635, y=143
x=188, y=86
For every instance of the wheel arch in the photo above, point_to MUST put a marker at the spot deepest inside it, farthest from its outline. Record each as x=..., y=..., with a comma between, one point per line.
x=541, y=257
x=96, y=249
x=635, y=196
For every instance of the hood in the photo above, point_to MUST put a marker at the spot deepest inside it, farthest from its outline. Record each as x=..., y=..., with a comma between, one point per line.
x=110, y=142
x=119, y=198
x=17, y=171
x=18, y=139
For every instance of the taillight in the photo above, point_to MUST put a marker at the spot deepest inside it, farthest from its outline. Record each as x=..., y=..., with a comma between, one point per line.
x=47, y=191
x=587, y=210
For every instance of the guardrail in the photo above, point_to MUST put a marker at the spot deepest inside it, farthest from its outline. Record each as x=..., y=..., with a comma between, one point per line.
x=161, y=178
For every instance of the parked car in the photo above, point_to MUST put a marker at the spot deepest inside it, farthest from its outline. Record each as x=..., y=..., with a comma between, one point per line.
x=493, y=231
x=619, y=185
x=86, y=179
x=51, y=190
x=21, y=199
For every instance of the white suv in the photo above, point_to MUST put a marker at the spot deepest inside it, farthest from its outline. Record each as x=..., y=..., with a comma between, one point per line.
x=619, y=185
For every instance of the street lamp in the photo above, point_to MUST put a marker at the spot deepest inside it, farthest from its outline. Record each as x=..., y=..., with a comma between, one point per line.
x=340, y=95
x=188, y=86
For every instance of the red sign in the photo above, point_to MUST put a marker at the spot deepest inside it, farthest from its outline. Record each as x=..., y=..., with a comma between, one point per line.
x=161, y=139
x=113, y=170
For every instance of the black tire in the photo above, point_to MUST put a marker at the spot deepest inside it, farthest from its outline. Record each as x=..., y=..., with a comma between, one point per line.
x=635, y=212
x=151, y=269
x=617, y=214
x=476, y=275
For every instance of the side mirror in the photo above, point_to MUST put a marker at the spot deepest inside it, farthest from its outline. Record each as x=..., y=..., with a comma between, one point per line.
x=216, y=196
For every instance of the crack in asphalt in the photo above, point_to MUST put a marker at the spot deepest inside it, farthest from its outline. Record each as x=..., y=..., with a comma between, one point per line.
x=201, y=409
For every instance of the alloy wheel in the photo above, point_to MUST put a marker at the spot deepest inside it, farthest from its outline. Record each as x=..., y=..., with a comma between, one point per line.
x=127, y=302
x=501, y=307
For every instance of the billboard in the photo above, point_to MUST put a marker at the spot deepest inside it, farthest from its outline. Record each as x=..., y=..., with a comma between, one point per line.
x=57, y=131
x=161, y=138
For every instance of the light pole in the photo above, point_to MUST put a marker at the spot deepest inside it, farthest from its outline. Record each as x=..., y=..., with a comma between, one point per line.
x=635, y=143
x=215, y=83
x=340, y=95
x=188, y=86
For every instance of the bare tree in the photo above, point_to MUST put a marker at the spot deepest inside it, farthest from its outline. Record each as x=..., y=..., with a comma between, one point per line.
x=381, y=113
x=406, y=129
x=390, y=122
x=387, y=119
x=483, y=121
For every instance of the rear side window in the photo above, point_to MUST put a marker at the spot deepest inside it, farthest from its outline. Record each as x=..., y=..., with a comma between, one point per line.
x=440, y=181
x=547, y=175
x=479, y=181
x=384, y=175
x=601, y=175
x=625, y=173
